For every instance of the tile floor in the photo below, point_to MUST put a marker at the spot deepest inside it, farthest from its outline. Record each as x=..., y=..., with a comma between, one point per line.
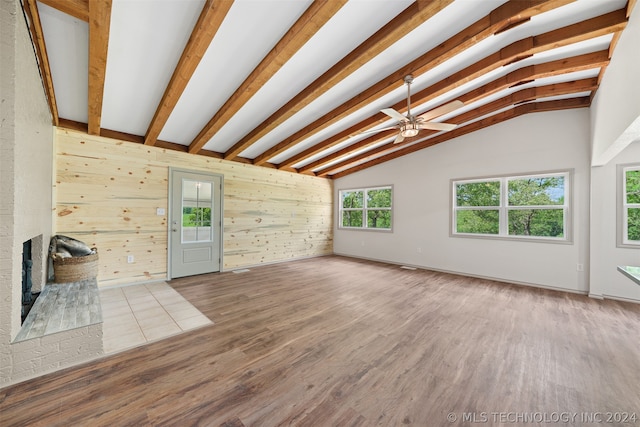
x=137, y=314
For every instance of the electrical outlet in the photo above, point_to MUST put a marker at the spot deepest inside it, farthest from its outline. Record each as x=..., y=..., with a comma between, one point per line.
x=160, y=211
x=580, y=267
x=130, y=259
x=419, y=250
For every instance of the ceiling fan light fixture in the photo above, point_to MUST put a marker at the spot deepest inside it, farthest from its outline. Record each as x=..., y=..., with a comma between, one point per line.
x=408, y=133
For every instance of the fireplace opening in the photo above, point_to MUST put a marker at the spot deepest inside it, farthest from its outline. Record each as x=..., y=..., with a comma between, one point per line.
x=28, y=296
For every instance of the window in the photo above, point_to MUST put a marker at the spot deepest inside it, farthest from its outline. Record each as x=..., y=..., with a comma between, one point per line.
x=366, y=208
x=631, y=205
x=196, y=211
x=530, y=206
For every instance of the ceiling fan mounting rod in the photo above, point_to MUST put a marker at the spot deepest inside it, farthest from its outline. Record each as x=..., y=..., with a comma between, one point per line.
x=408, y=79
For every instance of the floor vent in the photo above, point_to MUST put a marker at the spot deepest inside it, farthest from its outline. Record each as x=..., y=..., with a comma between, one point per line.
x=244, y=270
x=406, y=267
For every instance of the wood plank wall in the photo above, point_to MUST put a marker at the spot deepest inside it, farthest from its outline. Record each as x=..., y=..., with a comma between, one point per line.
x=107, y=192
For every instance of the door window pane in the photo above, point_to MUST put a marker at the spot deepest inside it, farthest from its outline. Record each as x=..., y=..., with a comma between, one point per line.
x=197, y=202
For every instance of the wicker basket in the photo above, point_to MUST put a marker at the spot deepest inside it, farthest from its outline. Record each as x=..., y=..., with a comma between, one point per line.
x=75, y=269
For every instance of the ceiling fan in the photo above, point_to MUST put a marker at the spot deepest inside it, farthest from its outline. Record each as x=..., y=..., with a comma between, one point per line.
x=410, y=125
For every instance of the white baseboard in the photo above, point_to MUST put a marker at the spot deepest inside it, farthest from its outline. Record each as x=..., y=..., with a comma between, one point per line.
x=476, y=276
x=623, y=299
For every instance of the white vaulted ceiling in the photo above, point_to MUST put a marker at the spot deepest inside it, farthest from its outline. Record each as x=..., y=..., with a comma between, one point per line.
x=292, y=84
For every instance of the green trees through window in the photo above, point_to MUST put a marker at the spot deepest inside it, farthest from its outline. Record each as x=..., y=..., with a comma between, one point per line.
x=539, y=192
x=523, y=206
x=366, y=208
x=481, y=201
x=352, y=208
x=632, y=204
x=196, y=217
x=379, y=208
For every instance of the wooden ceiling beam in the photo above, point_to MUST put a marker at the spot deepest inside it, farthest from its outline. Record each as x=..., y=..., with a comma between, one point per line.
x=595, y=27
x=37, y=35
x=366, y=161
x=532, y=72
x=559, y=104
x=316, y=15
x=73, y=125
x=591, y=28
x=137, y=139
x=585, y=30
x=466, y=38
x=480, y=124
x=524, y=95
x=99, y=22
x=519, y=110
x=410, y=18
x=209, y=21
x=76, y=8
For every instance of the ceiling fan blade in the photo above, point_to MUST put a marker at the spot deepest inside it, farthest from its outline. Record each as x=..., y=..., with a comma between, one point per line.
x=441, y=110
x=394, y=114
x=437, y=126
x=398, y=139
x=377, y=130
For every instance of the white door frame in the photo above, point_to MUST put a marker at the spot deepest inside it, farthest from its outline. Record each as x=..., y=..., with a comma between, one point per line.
x=170, y=214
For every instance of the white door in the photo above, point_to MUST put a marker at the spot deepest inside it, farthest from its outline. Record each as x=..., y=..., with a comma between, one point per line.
x=196, y=221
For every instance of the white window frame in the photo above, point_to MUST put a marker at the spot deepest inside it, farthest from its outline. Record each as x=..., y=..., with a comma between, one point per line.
x=623, y=207
x=365, y=208
x=503, y=208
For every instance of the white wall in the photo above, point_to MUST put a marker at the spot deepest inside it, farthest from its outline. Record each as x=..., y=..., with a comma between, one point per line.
x=615, y=111
x=615, y=124
x=606, y=281
x=531, y=143
x=26, y=138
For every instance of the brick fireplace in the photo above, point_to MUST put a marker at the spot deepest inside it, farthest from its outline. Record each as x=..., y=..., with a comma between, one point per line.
x=27, y=193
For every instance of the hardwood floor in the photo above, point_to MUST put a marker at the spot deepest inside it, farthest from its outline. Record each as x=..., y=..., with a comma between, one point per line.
x=334, y=341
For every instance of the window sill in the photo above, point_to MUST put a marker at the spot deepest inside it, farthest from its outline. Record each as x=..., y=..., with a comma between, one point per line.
x=513, y=238
x=377, y=230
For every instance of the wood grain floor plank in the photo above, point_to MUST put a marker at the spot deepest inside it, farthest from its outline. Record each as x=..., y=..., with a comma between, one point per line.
x=342, y=342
